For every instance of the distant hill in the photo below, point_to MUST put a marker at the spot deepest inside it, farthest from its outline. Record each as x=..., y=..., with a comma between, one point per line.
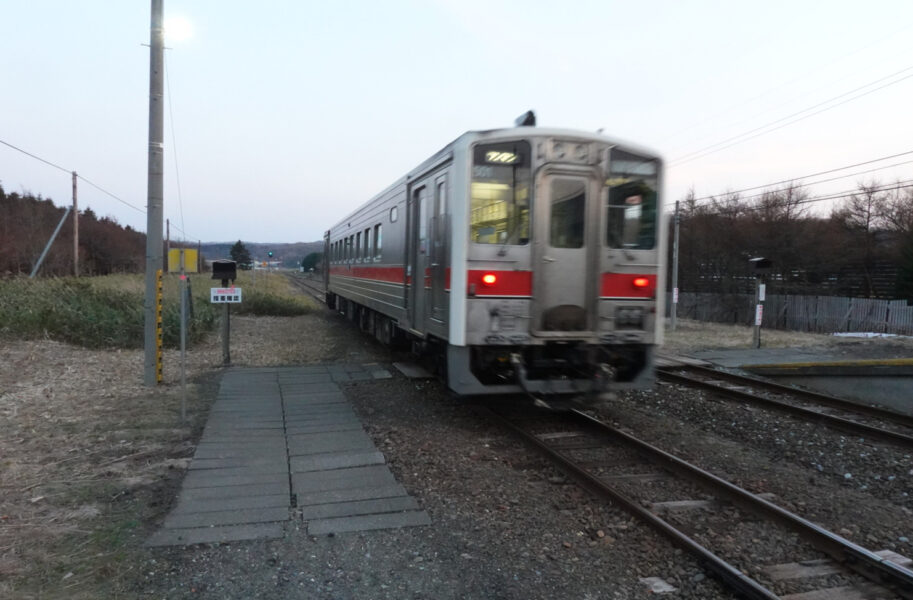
x=289, y=255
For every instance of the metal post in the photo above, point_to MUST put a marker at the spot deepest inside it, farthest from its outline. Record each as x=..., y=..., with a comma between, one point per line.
x=674, y=307
x=183, y=340
x=756, y=338
x=154, y=186
x=168, y=244
x=226, y=329
x=50, y=242
x=75, y=231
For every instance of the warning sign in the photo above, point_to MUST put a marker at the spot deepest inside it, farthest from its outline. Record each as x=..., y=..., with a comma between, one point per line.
x=230, y=295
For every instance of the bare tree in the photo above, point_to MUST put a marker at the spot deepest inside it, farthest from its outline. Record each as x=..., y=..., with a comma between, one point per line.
x=862, y=216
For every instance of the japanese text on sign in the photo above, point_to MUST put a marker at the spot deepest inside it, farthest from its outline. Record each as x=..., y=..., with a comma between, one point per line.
x=225, y=295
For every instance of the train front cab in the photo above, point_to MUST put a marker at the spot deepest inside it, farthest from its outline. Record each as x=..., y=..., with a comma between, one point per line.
x=563, y=261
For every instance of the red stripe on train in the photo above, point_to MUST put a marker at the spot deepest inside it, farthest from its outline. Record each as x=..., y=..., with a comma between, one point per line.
x=507, y=283
x=391, y=274
x=622, y=285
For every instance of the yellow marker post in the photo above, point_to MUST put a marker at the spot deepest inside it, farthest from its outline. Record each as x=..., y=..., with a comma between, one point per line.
x=158, y=326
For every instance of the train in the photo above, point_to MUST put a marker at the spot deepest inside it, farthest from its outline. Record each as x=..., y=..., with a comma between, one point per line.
x=523, y=260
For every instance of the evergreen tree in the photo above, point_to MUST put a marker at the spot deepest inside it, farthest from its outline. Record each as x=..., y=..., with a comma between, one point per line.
x=311, y=260
x=241, y=255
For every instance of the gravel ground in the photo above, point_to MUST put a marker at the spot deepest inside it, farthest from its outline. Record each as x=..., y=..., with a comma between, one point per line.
x=505, y=523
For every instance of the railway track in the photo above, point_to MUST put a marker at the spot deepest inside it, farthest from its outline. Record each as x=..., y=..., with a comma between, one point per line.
x=312, y=287
x=756, y=547
x=857, y=419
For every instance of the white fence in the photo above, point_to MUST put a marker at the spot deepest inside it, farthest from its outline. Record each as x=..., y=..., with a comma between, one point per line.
x=820, y=314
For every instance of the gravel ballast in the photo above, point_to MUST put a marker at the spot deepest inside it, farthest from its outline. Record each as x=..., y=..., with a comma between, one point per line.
x=505, y=524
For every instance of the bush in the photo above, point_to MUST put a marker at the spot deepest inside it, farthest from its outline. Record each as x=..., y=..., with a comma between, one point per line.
x=91, y=312
x=267, y=303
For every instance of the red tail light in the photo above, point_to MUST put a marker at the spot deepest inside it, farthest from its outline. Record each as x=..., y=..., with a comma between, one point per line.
x=489, y=279
x=641, y=282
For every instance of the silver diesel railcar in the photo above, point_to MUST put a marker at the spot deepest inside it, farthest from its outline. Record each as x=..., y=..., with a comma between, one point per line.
x=525, y=259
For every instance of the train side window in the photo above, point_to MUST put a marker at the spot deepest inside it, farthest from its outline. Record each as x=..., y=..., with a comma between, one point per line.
x=377, y=241
x=442, y=198
x=394, y=214
x=358, y=246
x=367, y=254
x=500, y=194
x=631, y=202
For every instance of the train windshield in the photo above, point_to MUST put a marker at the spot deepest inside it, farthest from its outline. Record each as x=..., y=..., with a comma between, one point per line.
x=632, y=201
x=501, y=181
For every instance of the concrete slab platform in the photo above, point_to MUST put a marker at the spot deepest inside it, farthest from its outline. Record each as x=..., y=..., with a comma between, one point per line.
x=278, y=434
x=234, y=491
x=338, y=460
x=350, y=495
x=341, y=479
x=360, y=507
x=233, y=503
x=412, y=370
x=368, y=522
x=213, y=518
x=209, y=535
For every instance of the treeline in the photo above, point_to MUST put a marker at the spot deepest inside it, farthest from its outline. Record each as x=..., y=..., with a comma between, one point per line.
x=26, y=225
x=863, y=248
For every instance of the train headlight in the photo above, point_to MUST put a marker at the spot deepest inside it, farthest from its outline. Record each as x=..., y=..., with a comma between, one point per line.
x=641, y=282
x=489, y=279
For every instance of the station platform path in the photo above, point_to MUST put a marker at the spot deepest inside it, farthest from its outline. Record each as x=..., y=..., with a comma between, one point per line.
x=283, y=444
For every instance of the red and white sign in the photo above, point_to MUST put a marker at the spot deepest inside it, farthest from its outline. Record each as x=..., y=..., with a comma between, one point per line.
x=674, y=295
x=231, y=295
x=758, y=314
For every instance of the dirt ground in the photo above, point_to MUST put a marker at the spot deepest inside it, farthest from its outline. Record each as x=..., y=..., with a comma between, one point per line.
x=90, y=459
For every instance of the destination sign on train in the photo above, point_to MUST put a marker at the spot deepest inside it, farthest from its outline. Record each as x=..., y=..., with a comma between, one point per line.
x=500, y=157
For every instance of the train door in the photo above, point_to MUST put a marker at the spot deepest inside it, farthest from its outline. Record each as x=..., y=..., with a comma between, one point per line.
x=416, y=256
x=563, y=263
x=439, y=258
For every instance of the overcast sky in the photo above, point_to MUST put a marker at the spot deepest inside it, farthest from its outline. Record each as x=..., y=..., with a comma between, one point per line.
x=287, y=114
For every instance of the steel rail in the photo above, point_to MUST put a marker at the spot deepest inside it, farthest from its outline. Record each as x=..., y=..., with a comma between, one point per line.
x=833, y=402
x=731, y=575
x=840, y=423
x=866, y=563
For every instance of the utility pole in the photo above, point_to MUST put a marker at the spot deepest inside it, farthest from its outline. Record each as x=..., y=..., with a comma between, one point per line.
x=167, y=240
x=75, y=231
x=674, y=307
x=154, y=192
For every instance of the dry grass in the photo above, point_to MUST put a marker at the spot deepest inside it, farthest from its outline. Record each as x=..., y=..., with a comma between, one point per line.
x=690, y=336
x=89, y=457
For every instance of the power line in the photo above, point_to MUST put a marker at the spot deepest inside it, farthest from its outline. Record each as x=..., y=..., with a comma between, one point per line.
x=47, y=162
x=899, y=185
x=763, y=129
x=174, y=145
x=101, y=189
x=881, y=39
x=56, y=166
x=829, y=171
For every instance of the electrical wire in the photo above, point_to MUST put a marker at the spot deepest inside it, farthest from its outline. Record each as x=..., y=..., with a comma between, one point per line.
x=47, y=162
x=798, y=186
x=766, y=128
x=56, y=166
x=845, y=194
x=174, y=145
x=101, y=189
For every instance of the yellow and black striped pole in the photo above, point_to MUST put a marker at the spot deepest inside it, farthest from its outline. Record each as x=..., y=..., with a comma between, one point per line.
x=158, y=326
